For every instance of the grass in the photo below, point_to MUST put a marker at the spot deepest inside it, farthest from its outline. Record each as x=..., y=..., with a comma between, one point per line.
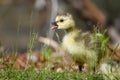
x=31, y=74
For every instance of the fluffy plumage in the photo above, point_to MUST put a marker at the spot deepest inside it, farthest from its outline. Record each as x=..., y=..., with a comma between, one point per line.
x=80, y=45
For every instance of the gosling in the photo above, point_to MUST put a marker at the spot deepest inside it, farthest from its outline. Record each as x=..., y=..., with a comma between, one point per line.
x=80, y=45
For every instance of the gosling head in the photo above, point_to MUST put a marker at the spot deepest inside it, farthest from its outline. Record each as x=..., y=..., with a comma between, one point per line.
x=63, y=22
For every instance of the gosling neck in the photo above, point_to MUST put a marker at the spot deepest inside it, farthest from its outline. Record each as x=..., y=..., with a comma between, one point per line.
x=71, y=29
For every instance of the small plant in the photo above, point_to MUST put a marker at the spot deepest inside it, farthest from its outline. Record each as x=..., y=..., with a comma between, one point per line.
x=104, y=40
x=31, y=44
x=47, y=53
x=101, y=41
x=32, y=41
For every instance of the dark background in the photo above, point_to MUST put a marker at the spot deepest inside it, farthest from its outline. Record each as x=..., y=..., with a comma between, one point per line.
x=19, y=18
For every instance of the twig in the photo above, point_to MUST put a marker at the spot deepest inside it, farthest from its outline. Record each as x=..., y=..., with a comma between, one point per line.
x=52, y=43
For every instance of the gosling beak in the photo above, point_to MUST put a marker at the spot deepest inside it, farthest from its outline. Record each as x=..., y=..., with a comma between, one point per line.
x=54, y=25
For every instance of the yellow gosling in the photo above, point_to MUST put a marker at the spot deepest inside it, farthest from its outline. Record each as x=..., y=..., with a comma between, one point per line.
x=80, y=45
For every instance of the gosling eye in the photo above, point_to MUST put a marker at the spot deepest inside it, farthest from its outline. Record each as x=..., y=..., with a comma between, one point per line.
x=61, y=20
